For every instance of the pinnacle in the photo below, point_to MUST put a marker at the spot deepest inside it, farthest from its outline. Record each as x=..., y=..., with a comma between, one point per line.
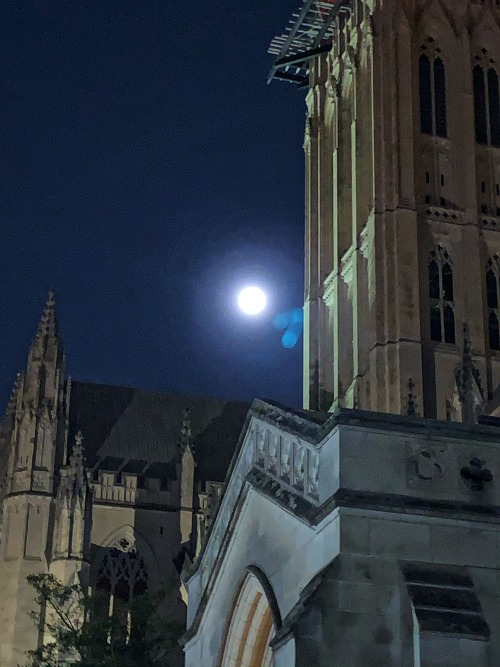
x=76, y=463
x=48, y=321
x=48, y=327
x=76, y=457
x=186, y=439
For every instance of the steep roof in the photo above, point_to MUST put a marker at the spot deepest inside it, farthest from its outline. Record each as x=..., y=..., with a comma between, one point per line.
x=122, y=423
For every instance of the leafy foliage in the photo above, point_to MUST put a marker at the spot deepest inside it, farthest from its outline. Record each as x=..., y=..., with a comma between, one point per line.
x=79, y=630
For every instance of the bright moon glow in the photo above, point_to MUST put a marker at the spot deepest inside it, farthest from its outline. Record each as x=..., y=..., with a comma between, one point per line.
x=252, y=300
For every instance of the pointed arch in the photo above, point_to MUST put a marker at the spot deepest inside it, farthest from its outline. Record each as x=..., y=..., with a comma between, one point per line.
x=252, y=623
x=486, y=90
x=432, y=89
x=133, y=538
x=441, y=297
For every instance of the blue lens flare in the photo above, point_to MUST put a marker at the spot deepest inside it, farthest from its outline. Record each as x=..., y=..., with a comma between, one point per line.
x=292, y=322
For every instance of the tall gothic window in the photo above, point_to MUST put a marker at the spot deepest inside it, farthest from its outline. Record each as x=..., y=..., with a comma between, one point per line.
x=442, y=309
x=486, y=101
x=492, y=292
x=432, y=83
x=122, y=575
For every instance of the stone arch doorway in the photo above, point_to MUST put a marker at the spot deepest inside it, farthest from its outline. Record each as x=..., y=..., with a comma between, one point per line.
x=253, y=622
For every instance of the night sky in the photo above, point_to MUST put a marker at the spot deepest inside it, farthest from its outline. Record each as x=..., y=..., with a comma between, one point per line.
x=147, y=172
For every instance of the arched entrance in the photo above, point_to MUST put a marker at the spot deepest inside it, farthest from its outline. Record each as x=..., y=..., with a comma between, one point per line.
x=252, y=625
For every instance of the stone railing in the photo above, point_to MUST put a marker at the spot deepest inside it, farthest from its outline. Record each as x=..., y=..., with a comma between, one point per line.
x=290, y=461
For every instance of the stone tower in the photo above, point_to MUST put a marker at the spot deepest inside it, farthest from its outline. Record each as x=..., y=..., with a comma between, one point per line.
x=35, y=501
x=402, y=199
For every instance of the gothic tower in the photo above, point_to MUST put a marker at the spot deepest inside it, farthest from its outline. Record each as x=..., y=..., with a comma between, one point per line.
x=402, y=198
x=32, y=496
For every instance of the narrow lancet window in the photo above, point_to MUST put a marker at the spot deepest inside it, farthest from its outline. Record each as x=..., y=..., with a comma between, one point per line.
x=494, y=107
x=440, y=98
x=494, y=331
x=442, y=309
x=486, y=100
x=480, y=105
x=492, y=292
x=432, y=86
x=425, y=95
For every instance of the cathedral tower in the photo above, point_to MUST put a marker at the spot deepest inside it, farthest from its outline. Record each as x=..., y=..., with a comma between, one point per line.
x=402, y=150
x=35, y=451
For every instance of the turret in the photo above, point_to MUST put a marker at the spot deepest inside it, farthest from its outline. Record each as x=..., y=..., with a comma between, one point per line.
x=33, y=442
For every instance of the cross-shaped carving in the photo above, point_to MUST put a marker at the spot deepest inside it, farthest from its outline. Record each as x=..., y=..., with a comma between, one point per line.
x=476, y=474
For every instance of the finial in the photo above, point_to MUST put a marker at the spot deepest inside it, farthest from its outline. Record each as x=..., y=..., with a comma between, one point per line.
x=411, y=407
x=468, y=380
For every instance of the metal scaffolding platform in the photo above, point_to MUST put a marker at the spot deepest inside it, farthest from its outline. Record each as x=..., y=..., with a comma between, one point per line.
x=309, y=33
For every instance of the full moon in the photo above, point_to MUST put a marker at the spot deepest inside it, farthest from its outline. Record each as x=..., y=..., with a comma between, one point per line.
x=252, y=300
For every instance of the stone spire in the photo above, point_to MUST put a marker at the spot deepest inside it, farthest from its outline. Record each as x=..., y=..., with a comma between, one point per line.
x=47, y=337
x=468, y=379
x=39, y=403
x=186, y=439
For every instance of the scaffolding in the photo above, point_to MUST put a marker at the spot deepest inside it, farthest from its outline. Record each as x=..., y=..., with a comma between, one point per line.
x=308, y=34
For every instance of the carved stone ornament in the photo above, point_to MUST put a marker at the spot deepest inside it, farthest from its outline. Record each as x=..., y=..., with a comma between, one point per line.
x=124, y=544
x=475, y=475
x=41, y=481
x=426, y=465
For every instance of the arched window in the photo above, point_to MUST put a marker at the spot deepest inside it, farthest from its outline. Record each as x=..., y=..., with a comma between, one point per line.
x=481, y=123
x=486, y=100
x=494, y=107
x=252, y=625
x=442, y=310
x=121, y=576
x=492, y=293
x=432, y=85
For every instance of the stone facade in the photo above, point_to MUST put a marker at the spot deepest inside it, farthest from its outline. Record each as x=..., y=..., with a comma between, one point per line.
x=97, y=481
x=364, y=531
x=385, y=550
x=395, y=179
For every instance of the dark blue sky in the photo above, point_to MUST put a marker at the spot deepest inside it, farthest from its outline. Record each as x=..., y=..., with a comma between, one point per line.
x=146, y=171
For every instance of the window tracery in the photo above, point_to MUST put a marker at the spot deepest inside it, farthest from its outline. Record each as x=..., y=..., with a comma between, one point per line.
x=121, y=576
x=432, y=84
x=486, y=100
x=441, y=298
